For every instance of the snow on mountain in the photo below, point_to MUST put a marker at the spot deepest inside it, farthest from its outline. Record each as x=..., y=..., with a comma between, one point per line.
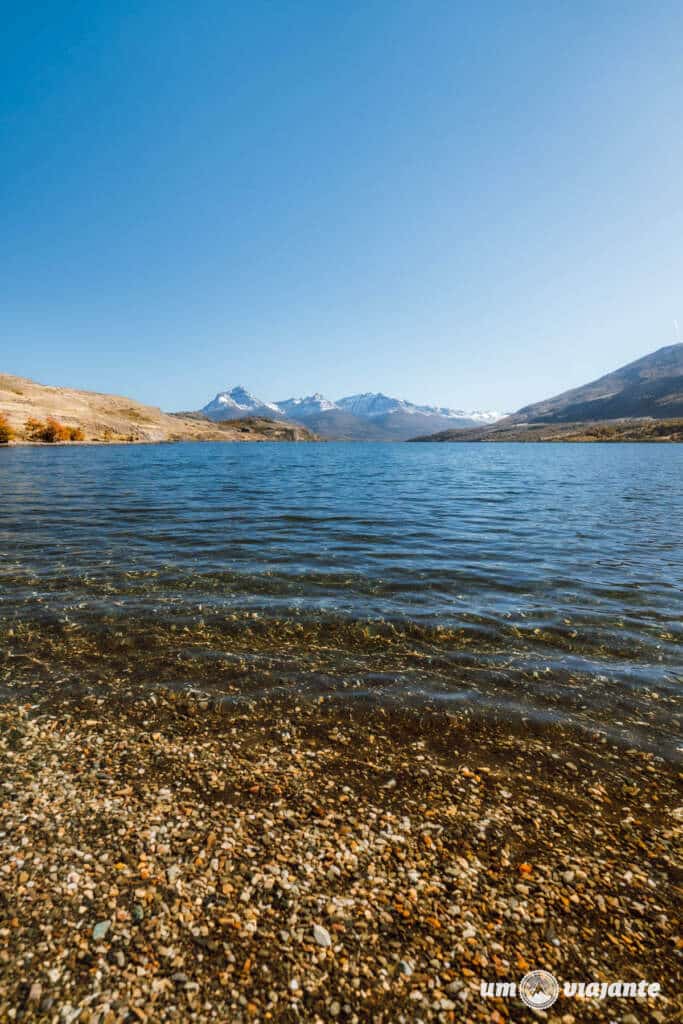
x=486, y=416
x=382, y=410
x=309, y=406
x=237, y=402
x=372, y=404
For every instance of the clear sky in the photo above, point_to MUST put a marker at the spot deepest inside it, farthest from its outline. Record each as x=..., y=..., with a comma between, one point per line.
x=476, y=204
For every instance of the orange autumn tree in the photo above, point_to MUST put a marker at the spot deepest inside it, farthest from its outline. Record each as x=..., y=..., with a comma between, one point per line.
x=55, y=431
x=34, y=428
x=51, y=431
x=6, y=431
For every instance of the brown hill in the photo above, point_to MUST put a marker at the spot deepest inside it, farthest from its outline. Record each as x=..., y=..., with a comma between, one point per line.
x=604, y=430
x=642, y=401
x=111, y=418
x=650, y=386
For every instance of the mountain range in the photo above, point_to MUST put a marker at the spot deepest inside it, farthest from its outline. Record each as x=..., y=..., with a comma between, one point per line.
x=650, y=388
x=364, y=417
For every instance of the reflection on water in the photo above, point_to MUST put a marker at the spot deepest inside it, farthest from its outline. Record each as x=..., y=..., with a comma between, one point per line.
x=541, y=581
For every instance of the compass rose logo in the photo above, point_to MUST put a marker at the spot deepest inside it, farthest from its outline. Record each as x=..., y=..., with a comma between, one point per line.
x=539, y=989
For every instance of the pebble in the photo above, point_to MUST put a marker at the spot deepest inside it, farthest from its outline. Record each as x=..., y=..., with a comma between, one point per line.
x=35, y=992
x=420, y=891
x=321, y=935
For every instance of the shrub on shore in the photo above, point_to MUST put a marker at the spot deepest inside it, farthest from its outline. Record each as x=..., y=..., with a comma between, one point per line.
x=6, y=431
x=33, y=429
x=51, y=431
x=55, y=431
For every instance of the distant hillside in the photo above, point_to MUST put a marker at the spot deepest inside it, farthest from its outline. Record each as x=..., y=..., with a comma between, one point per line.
x=648, y=389
x=339, y=425
x=259, y=427
x=600, y=430
x=651, y=386
x=104, y=417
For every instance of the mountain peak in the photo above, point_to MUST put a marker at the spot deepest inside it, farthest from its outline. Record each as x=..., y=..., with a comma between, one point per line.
x=236, y=402
x=371, y=403
x=238, y=393
x=310, y=405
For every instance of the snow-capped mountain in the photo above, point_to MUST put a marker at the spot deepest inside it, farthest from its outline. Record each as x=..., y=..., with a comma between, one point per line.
x=237, y=402
x=364, y=417
x=376, y=404
x=309, y=406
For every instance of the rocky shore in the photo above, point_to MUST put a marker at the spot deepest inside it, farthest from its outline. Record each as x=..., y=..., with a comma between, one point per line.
x=180, y=857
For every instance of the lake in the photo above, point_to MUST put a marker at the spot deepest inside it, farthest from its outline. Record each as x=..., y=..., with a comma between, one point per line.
x=538, y=583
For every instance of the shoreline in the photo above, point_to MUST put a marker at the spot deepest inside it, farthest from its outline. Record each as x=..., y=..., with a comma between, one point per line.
x=617, y=431
x=141, y=441
x=285, y=859
x=245, y=655
x=92, y=443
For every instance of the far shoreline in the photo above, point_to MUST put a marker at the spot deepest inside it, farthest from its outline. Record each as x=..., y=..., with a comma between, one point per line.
x=120, y=443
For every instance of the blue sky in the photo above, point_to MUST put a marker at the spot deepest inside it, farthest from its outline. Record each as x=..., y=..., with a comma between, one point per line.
x=475, y=204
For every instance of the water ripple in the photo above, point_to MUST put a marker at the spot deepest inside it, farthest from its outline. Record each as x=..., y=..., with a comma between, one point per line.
x=561, y=565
